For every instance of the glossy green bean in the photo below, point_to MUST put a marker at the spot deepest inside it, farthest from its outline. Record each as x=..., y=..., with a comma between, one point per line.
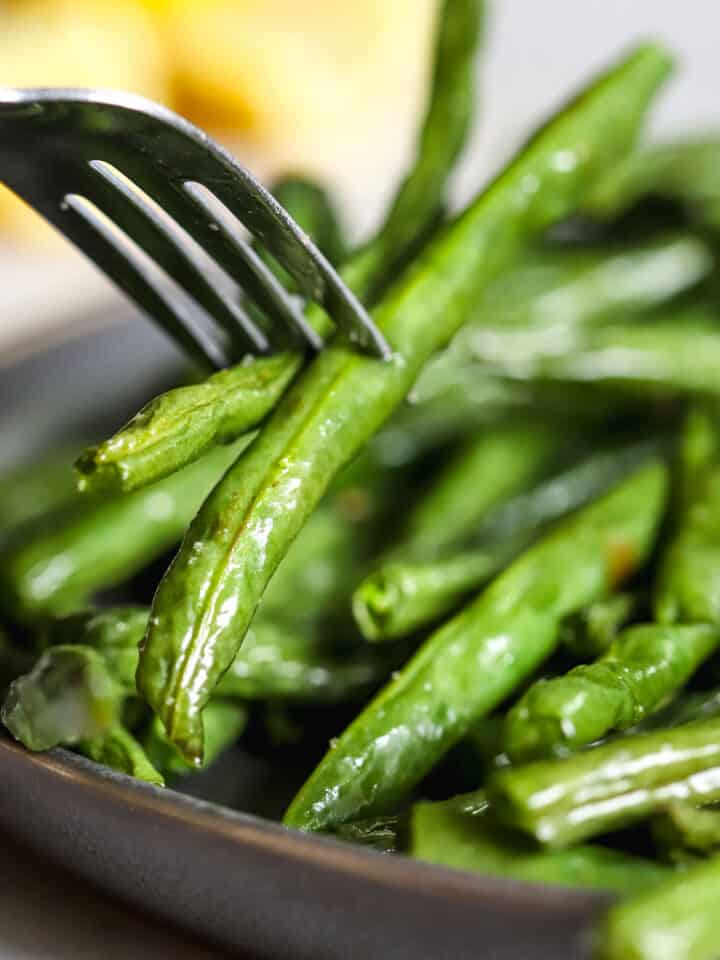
x=399, y=598
x=448, y=119
x=68, y=696
x=223, y=723
x=683, y=831
x=120, y=751
x=644, y=667
x=445, y=834
x=685, y=170
x=203, y=608
x=678, y=921
x=499, y=463
x=468, y=666
x=179, y=426
x=688, y=583
x=101, y=543
x=590, y=632
x=560, y=802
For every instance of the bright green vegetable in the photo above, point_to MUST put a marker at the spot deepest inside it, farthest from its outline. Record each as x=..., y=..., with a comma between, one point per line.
x=644, y=667
x=68, y=696
x=592, y=792
x=103, y=542
x=500, y=462
x=688, y=587
x=34, y=490
x=685, y=171
x=312, y=208
x=202, y=609
x=223, y=722
x=684, y=832
x=446, y=834
x=681, y=357
x=119, y=750
x=678, y=921
x=590, y=632
x=402, y=597
x=692, y=706
x=467, y=667
x=179, y=426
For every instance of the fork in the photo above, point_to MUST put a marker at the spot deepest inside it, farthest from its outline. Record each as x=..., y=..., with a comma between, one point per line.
x=172, y=219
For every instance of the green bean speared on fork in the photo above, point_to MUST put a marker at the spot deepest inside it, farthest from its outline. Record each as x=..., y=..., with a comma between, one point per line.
x=560, y=802
x=202, y=609
x=468, y=666
x=179, y=426
x=676, y=921
x=644, y=667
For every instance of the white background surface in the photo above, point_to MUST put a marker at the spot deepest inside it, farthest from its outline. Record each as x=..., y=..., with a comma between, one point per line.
x=539, y=50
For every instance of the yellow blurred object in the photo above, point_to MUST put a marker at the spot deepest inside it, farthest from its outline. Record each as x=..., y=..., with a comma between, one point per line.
x=83, y=43
x=326, y=87
x=316, y=84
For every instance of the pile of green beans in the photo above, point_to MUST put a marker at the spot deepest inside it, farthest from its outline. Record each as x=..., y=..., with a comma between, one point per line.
x=486, y=570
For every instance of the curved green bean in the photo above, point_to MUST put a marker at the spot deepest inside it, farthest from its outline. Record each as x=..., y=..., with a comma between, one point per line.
x=610, y=786
x=467, y=667
x=223, y=723
x=644, y=667
x=206, y=600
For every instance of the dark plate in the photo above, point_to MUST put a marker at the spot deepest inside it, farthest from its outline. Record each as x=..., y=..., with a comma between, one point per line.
x=241, y=880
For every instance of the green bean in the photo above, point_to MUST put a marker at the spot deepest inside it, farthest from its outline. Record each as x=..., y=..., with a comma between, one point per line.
x=468, y=666
x=684, y=832
x=33, y=491
x=179, y=426
x=448, y=118
x=688, y=586
x=685, y=171
x=203, y=608
x=560, y=802
x=678, y=921
x=103, y=542
x=644, y=667
x=68, y=696
x=502, y=461
x=445, y=834
x=402, y=597
x=683, y=357
x=702, y=705
x=115, y=632
x=119, y=750
x=223, y=722
x=590, y=632
x=311, y=207
x=279, y=663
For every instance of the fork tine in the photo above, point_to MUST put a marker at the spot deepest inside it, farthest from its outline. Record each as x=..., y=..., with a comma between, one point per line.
x=180, y=260
x=130, y=272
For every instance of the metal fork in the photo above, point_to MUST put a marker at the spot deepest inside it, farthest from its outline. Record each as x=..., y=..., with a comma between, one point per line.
x=165, y=212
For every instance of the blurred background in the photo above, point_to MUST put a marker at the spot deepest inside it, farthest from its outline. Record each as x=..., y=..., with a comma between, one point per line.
x=320, y=87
